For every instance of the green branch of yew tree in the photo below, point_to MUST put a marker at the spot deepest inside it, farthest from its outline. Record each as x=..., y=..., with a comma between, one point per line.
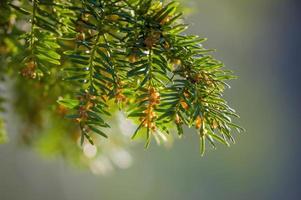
x=133, y=55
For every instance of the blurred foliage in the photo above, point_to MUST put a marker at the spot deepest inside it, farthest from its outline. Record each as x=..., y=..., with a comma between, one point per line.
x=3, y=137
x=89, y=60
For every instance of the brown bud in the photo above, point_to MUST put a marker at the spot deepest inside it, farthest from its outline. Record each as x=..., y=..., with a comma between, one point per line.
x=166, y=45
x=186, y=94
x=145, y=123
x=133, y=58
x=165, y=20
x=198, y=122
x=197, y=78
x=61, y=110
x=184, y=105
x=176, y=61
x=153, y=127
x=81, y=36
x=177, y=119
x=89, y=105
x=120, y=97
x=149, y=42
x=29, y=70
x=215, y=124
x=152, y=90
x=31, y=65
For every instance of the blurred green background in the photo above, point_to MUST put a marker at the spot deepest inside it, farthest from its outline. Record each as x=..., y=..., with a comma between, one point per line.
x=260, y=41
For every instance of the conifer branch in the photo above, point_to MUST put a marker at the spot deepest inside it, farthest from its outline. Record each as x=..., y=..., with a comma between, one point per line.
x=134, y=52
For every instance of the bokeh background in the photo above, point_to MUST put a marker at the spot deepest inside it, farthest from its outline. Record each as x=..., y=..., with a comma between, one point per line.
x=261, y=41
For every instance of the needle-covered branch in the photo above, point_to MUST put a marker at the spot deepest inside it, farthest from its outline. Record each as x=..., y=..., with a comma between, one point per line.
x=131, y=55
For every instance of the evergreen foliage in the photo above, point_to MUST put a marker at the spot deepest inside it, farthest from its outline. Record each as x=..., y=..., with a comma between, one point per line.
x=94, y=57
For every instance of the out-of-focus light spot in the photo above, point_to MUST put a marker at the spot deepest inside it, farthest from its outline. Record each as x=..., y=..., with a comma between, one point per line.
x=126, y=126
x=89, y=150
x=146, y=52
x=101, y=165
x=122, y=158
